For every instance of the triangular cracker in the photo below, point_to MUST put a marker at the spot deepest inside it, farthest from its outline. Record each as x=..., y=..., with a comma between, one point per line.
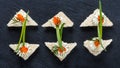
x=70, y=47
x=30, y=22
x=95, y=52
x=64, y=19
x=88, y=22
x=31, y=50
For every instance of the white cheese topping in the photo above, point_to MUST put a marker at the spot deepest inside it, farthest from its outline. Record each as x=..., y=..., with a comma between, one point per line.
x=89, y=44
x=95, y=18
x=92, y=20
x=30, y=22
x=69, y=47
x=64, y=19
x=31, y=49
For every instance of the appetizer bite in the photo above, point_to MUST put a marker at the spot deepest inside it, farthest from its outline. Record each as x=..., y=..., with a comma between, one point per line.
x=23, y=49
x=60, y=49
x=63, y=18
x=94, y=19
x=61, y=53
x=97, y=44
x=19, y=18
x=94, y=46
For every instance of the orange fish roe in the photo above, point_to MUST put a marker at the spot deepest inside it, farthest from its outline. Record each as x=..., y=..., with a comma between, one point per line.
x=24, y=49
x=99, y=19
x=20, y=18
x=56, y=21
x=96, y=42
x=61, y=50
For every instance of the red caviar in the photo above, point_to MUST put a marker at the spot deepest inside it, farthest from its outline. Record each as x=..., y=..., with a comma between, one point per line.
x=96, y=42
x=24, y=49
x=99, y=19
x=20, y=18
x=61, y=50
x=56, y=21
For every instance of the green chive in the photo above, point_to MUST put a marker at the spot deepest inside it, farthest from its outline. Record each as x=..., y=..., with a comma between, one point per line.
x=25, y=29
x=22, y=36
x=58, y=36
x=61, y=30
x=100, y=25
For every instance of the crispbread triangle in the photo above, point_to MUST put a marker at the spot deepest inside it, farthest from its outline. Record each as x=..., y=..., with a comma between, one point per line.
x=30, y=22
x=99, y=49
x=71, y=46
x=64, y=19
x=32, y=47
x=88, y=22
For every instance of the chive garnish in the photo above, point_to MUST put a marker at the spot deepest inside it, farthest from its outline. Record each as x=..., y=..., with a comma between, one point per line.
x=99, y=27
x=59, y=31
x=23, y=31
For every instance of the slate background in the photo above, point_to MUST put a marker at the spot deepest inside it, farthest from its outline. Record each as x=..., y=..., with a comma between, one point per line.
x=41, y=11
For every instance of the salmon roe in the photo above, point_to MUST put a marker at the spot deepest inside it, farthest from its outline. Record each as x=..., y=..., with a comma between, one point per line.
x=99, y=19
x=20, y=18
x=24, y=49
x=96, y=43
x=61, y=50
x=56, y=21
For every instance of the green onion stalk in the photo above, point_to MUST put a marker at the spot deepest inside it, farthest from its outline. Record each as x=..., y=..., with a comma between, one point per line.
x=99, y=27
x=59, y=31
x=23, y=31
